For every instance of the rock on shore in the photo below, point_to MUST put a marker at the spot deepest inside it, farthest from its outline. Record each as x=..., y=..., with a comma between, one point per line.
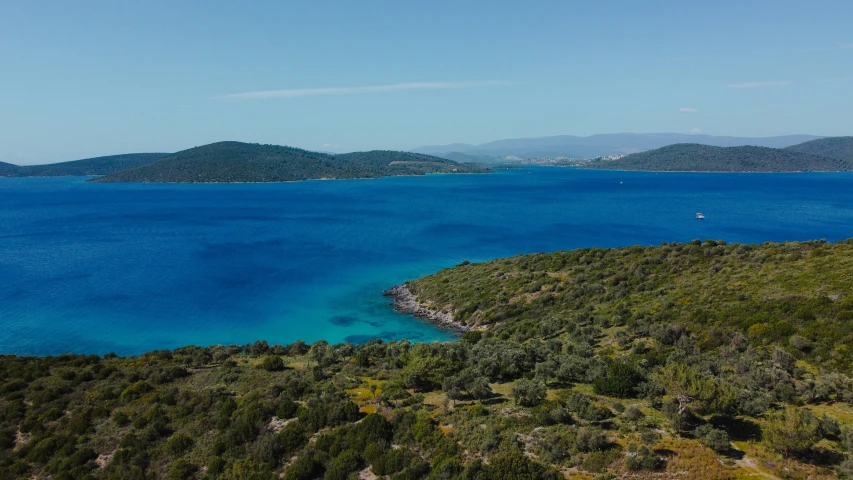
x=407, y=302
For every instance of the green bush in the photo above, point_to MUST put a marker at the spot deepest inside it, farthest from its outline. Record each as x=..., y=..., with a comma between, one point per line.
x=273, y=363
x=792, y=431
x=514, y=465
x=304, y=468
x=713, y=438
x=621, y=381
x=529, y=393
x=644, y=459
x=292, y=437
x=181, y=469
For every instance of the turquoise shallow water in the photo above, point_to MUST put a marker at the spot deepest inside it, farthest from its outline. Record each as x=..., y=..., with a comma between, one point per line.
x=95, y=268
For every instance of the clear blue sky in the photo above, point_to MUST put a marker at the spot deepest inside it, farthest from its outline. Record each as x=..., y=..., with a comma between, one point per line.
x=80, y=79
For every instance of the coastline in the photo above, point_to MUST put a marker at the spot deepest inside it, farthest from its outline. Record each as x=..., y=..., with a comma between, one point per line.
x=699, y=171
x=94, y=179
x=407, y=302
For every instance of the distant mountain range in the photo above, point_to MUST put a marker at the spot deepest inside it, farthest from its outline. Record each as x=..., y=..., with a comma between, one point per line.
x=80, y=168
x=229, y=162
x=828, y=154
x=597, y=145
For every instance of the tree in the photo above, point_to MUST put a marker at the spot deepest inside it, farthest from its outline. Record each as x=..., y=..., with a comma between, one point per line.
x=694, y=390
x=529, y=393
x=292, y=437
x=792, y=431
x=621, y=381
x=480, y=388
x=426, y=369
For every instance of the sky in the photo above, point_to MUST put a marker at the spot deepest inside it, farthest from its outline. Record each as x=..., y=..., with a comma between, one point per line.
x=83, y=79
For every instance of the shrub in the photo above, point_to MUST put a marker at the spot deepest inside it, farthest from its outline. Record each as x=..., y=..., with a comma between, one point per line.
x=272, y=363
x=7, y=438
x=374, y=428
x=181, y=469
x=792, y=431
x=586, y=409
x=621, y=381
x=633, y=413
x=829, y=427
x=286, y=408
x=845, y=470
x=304, y=468
x=650, y=438
x=514, y=465
x=390, y=462
x=216, y=466
x=121, y=419
x=135, y=391
x=292, y=437
x=644, y=459
x=529, y=393
x=713, y=438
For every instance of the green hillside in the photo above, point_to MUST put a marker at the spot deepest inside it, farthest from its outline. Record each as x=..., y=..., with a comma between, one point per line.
x=832, y=147
x=90, y=166
x=689, y=157
x=80, y=168
x=243, y=162
x=778, y=290
x=7, y=169
x=701, y=360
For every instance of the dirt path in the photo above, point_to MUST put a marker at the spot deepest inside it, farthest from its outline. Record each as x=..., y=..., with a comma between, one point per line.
x=749, y=464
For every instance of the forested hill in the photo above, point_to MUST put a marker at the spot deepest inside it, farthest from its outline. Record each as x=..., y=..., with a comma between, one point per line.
x=700, y=360
x=90, y=166
x=7, y=169
x=226, y=162
x=689, y=157
x=80, y=168
x=832, y=147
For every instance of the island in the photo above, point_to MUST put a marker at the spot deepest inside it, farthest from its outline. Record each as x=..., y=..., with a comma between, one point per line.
x=832, y=147
x=236, y=162
x=691, y=157
x=701, y=360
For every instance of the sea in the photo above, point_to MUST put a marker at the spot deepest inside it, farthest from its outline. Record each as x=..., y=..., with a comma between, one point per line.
x=94, y=268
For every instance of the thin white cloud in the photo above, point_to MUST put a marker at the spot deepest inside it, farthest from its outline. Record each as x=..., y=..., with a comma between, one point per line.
x=688, y=110
x=695, y=130
x=848, y=46
x=309, y=92
x=759, y=84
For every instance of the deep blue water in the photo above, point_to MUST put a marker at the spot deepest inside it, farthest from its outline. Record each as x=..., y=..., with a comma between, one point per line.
x=126, y=268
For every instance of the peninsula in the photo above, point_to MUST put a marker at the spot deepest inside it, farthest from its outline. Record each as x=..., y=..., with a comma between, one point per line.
x=690, y=157
x=236, y=162
x=701, y=360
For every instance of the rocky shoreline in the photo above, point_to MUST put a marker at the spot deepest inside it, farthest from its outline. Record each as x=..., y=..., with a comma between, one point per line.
x=407, y=302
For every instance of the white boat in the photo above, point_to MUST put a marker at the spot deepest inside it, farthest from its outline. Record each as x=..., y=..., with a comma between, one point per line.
x=699, y=216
